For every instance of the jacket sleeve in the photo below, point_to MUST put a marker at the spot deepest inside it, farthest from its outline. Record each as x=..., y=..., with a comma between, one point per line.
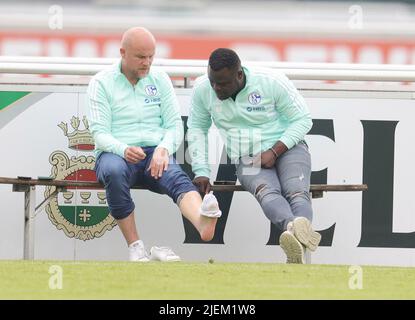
x=99, y=117
x=198, y=124
x=292, y=106
x=171, y=118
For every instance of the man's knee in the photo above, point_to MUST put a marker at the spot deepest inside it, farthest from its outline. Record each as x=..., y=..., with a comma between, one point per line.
x=259, y=189
x=297, y=195
x=173, y=170
x=114, y=171
x=175, y=182
x=264, y=192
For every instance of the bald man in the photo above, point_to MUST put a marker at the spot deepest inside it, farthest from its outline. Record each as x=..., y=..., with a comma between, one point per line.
x=136, y=124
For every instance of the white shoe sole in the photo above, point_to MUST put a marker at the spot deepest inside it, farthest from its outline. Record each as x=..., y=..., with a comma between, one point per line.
x=304, y=232
x=169, y=260
x=155, y=255
x=154, y=258
x=141, y=260
x=292, y=248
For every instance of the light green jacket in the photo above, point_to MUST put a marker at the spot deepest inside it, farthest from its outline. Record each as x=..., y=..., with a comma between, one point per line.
x=122, y=115
x=269, y=108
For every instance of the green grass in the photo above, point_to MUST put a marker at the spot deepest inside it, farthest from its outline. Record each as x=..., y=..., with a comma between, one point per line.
x=123, y=280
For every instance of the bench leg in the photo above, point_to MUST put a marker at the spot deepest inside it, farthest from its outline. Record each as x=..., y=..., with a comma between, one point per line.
x=29, y=225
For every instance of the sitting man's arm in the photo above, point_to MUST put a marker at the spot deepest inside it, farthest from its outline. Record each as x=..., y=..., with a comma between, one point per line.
x=198, y=125
x=99, y=117
x=291, y=105
x=173, y=125
x=171, y=118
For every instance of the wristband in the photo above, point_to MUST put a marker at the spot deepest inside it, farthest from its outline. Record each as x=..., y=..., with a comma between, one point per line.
x=274, y=152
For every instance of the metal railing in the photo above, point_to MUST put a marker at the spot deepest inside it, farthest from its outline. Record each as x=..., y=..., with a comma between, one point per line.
x=203, y=63
x=195, y=68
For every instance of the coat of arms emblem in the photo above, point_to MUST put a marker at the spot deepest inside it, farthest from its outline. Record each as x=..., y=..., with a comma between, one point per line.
x=79, y=213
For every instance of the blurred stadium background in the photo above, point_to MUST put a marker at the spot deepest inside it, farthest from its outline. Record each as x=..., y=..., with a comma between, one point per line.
x=297, y=31
x=374, y=32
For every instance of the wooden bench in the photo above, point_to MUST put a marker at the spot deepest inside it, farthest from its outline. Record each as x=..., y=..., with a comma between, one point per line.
x=28, y=186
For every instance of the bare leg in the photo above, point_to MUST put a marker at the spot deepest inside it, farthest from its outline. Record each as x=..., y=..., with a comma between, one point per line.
x=128, y=228
x=189, y=206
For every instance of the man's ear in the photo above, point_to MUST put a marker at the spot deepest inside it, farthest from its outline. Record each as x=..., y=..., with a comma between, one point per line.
x=122, y=52
x=240, y=74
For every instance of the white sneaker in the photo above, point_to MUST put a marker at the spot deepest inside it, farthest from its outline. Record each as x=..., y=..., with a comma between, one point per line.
x=163, y=254
x=292, y=248
x=137, y=252
x=210, y=207
x=304, y=232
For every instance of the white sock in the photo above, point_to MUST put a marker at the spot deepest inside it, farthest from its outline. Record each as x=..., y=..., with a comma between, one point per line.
x=209, y=202
x=210, y=206
x=139, y=243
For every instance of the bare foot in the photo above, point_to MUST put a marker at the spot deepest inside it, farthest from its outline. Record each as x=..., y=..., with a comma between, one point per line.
x=207, y=228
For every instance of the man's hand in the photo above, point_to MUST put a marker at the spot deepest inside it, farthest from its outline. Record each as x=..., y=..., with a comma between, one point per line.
x=134, y=154
x=159, y=163
x=203, y=184
x=266, y=159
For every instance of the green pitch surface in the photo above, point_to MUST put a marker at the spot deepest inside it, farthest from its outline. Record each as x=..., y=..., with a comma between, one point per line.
x=124, y=280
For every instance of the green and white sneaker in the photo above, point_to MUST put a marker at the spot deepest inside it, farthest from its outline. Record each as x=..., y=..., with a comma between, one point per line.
x=304, y=232
x=292, y=247
x=164, y=254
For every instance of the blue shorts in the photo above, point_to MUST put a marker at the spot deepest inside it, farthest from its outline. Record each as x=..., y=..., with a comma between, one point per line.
x=118, y=176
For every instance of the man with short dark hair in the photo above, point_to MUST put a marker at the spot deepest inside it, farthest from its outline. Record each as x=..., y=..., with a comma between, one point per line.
x=263, y=121
x=135, y=120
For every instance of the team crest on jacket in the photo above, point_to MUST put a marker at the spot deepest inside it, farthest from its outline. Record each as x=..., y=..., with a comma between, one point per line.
x=151, y=90
x=254, y=98
x=80, y=213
